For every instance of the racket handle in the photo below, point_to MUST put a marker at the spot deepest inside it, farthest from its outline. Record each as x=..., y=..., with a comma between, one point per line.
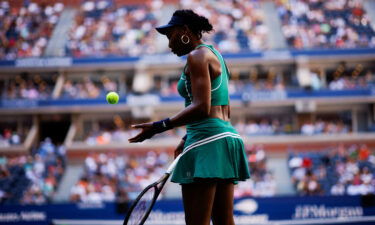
x=173, y=164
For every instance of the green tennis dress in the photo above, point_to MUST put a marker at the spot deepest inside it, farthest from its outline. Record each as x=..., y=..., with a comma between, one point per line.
x=215, y=149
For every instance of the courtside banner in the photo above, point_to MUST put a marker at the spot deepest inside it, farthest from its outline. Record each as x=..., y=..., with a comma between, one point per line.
x=272, y=210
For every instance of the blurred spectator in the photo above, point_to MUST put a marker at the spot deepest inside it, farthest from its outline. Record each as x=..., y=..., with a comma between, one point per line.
x=31, y=179
x=262, y=182
x=12, y=180
x=370, y=77
x=344, y=77
x=238, y=25
x=338, y=189
x=102, y=28
x=272, y=83
x=110, y=176
x=88, y=88
x=10, y=137
x=117, y=135
x=343, y=170
x=325, y=127
x=276, y=126
x=25, y=31
x=118, y=130
x=30, y=87
x=264, y=126
x=165, y=86
x=347, y=83
x=326, y=24
x=103, y=137
x=44, y=170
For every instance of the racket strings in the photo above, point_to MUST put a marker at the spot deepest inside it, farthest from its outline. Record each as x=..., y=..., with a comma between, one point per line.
x=141, y=207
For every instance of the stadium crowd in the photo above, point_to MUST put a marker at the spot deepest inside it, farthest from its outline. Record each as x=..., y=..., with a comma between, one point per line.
x=10, y=137
x=264, y=126
x=30, y=87
x=104, y=136
x=275, y=126
x=102, y=28
x=25, y=30
x=239, y=25
x=344, y=170
x=118, y=131
x=33, y=178
x=88, y=88
x=262, y=182
x=93, y=86
x=105, y=28
x=110, y=177
x=325, y=24
x=321, y=126
x=353, y=82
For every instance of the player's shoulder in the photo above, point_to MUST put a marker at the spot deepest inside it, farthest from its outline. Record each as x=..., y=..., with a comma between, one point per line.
x=200, y=55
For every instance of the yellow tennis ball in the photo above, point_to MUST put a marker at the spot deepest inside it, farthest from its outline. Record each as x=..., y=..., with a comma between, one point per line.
x=112, y=97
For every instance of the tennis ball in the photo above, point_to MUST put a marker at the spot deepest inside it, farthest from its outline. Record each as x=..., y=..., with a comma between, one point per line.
x=112, y=97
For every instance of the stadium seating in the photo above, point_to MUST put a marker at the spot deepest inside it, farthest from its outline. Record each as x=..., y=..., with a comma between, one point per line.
x=239, y=26
x=112, y=43
x=112, y=28
x=262, y=182
x=13, y=179
x=326, y=24
x=28, y=86
x=104, y=181
x=344, y=170
x=10, y=137
x=108, y=177
x=104, y=29
x=86, y=88
x=33, y=178
x=26, y=30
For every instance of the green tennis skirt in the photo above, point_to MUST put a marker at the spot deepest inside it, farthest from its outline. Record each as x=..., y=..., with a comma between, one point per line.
x=213, y=149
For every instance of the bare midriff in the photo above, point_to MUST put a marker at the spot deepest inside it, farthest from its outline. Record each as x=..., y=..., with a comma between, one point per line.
x=220, y=111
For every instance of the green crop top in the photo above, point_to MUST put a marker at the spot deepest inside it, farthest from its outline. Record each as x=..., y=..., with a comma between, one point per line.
x=219, y=85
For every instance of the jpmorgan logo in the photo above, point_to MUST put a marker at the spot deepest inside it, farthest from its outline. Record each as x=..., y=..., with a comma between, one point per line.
x=246, y=206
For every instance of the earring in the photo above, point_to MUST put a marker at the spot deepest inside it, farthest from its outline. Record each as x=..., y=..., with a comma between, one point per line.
x=185, y=41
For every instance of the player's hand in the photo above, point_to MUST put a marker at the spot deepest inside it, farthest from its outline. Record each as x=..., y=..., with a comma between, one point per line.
x=179, y=148
x=147, y=132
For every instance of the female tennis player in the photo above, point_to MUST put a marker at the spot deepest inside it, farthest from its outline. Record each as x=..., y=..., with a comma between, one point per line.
x=216, y=158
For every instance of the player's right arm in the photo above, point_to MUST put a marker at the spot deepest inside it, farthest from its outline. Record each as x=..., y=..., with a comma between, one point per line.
x=198, y=64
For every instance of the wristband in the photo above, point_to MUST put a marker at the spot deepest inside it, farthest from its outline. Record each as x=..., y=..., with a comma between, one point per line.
x=162, y=125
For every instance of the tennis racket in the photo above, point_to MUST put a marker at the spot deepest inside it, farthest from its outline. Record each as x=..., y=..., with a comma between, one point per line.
x=142, y=205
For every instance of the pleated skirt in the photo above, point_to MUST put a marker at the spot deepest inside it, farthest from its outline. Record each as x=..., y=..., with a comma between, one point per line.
x=213, y=149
